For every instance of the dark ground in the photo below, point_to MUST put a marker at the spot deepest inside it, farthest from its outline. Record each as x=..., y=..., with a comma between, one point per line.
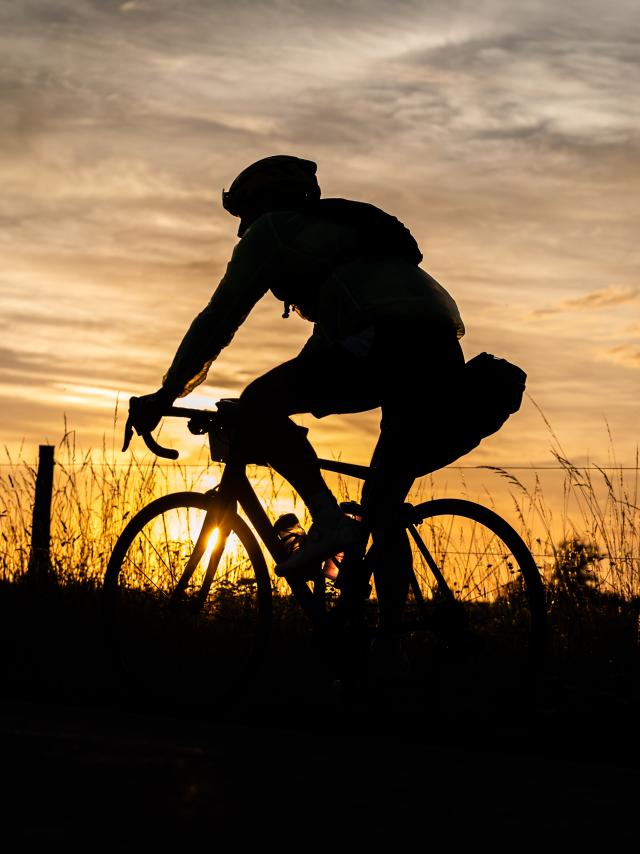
x=421, y=764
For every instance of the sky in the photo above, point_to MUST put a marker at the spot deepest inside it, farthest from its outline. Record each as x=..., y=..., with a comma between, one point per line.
x=503, y=133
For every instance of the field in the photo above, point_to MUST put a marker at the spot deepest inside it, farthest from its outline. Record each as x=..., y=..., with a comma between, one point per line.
x=386, y=756
x=587, y=550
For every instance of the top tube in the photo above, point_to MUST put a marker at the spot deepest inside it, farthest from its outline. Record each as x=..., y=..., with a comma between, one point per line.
x=202, y=420
x=350, y=469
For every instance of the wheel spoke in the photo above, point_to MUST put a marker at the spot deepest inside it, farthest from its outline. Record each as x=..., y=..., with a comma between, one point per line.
x=139, y=571
x=472, y=583
x=155, y=549
x=482, y=559
x=166, y=539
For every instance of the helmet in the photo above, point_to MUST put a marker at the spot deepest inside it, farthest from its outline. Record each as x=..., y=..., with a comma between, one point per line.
x=273, y=183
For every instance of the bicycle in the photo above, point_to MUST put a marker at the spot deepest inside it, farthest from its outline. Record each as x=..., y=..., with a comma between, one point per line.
x=187, y=582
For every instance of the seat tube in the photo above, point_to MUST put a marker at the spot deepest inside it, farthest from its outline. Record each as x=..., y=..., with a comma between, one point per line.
x=227, y=491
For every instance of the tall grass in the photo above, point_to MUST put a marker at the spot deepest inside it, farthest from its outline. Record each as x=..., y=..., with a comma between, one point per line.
x=92, y=501
x=599, y=516
x=95, y=495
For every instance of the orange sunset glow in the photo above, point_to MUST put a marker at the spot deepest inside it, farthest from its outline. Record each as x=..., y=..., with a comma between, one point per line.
x=219, y=642
x=504, y=135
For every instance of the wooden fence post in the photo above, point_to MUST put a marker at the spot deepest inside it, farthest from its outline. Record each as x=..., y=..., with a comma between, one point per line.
x=40, y=560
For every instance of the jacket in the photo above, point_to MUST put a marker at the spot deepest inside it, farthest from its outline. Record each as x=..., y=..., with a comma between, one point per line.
x=344, y=266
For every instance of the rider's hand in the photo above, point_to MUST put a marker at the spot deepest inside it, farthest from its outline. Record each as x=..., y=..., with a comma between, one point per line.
x=147, y=410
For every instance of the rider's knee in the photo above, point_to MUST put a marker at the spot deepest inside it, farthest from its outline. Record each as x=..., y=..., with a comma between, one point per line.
x=385, y=517
x=258, y=413
x=254, y=401
x=253, y=392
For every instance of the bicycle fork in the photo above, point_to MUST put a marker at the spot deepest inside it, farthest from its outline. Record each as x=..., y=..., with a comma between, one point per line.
x=214, y=520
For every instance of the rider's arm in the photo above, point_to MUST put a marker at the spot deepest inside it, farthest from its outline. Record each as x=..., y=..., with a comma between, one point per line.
x=249, y=275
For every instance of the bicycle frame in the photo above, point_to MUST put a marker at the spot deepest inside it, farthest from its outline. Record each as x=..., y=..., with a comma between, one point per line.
x=235, y=489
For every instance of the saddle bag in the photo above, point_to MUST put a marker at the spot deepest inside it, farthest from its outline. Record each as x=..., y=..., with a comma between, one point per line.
x=493, y=390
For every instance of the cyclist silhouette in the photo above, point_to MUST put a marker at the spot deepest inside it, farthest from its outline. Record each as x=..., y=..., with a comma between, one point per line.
x=385, y=335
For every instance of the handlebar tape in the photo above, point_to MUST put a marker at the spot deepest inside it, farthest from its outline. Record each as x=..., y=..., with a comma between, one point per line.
x=158, y=450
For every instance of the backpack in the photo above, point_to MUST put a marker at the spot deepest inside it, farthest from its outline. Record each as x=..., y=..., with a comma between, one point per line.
x=376, y=235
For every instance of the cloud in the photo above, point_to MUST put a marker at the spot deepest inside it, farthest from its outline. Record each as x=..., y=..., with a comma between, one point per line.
x=13, y=362
x=613, y=295
x=504, y=134
x=541, y=78
x=624, y=354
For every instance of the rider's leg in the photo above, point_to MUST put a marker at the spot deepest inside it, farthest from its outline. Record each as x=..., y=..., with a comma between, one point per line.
x=390, y=558
x=419, y=371
x=285, y=444
x=319, y=380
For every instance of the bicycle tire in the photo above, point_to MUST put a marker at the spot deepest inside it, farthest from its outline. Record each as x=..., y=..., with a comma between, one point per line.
x=199, y=642
x=490, y=579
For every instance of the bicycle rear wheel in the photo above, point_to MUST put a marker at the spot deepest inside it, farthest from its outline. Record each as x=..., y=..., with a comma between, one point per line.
x=187, y=609
x=476, y=585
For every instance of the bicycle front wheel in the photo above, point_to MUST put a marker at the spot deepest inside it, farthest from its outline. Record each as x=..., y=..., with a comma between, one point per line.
x=187, y=605
x=475, y=581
